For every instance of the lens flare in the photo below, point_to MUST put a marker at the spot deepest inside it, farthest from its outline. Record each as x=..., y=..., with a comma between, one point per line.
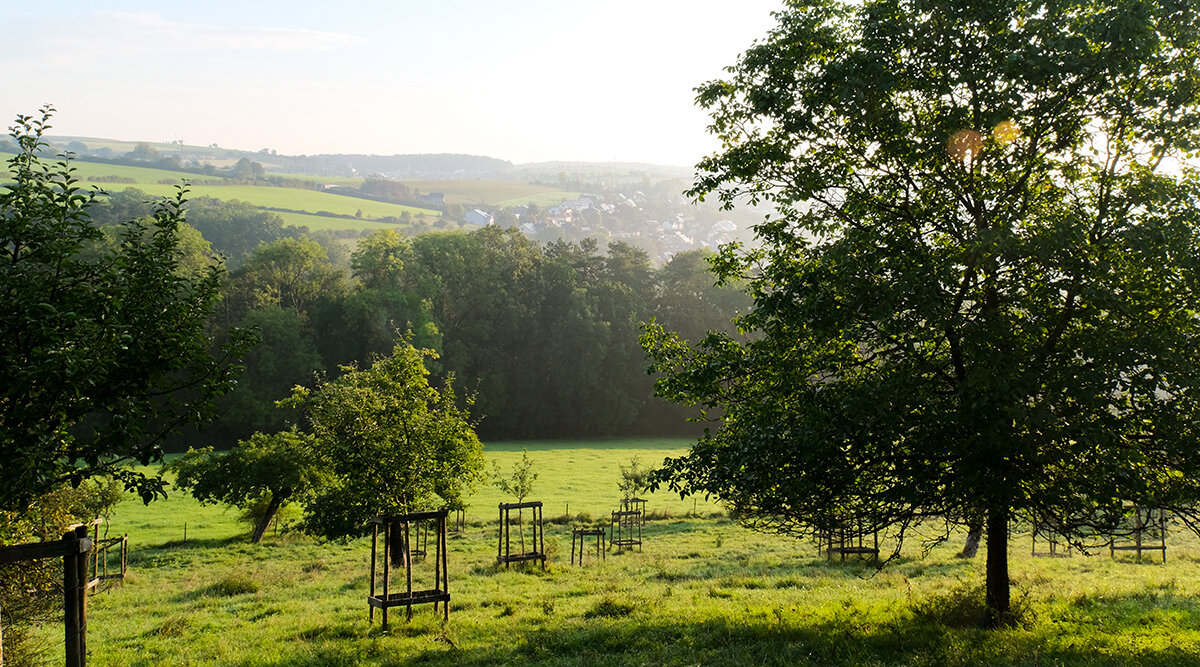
x=1005, y=132
x=964, y=146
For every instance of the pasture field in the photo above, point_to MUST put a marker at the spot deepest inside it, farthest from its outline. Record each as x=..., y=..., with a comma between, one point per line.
x=701, y=591
x=159, y=182
x=327, y=223
x=494, y=193
x=151, y=182
x=296, y=199
x=88, y=171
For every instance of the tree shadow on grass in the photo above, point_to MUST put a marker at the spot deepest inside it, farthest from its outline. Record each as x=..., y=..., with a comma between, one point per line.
x=197, y=543
x=641, y=638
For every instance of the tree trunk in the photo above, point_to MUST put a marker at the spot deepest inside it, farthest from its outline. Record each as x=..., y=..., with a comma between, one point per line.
x=974, y=534
x=398, y=548
x=265, y=519
x=998, y=612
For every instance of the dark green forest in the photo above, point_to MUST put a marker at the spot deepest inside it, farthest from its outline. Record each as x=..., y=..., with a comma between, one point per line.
x=540, y=339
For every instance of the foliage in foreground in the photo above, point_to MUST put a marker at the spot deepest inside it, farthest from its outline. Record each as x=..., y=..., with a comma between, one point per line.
x=976, y=301
x=31, y=591
x=105, y=351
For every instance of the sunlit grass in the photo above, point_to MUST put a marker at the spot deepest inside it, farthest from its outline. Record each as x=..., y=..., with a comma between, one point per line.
x=327, y=223
x=701, y=591
x=496, y=193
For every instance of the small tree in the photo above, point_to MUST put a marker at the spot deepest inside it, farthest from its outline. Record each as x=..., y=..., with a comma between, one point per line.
x=262, y=475
x=635, y=478
x=390, y=443
x=518, y=484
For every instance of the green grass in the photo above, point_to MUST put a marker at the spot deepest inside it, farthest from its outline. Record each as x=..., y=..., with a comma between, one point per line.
x=296, y=199
x=494, y=193
x=311, y=202
x=702, y=591
x=87, y=172
x=326, y=223
x=307, y=205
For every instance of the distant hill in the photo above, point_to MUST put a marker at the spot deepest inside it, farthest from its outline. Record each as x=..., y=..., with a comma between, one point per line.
x=441, y=166
x=436, y=166
x=640, y=204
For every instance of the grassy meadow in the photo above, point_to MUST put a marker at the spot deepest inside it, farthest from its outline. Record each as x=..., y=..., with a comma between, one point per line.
x=495, y=193
x=701, y=591
x=307, y=206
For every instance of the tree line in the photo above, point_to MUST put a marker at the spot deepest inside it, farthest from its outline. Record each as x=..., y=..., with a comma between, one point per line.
x=543, y=338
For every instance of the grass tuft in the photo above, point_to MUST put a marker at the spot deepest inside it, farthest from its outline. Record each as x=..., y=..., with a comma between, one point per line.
x=173, y=626
x=233, y=584
x=610, y=607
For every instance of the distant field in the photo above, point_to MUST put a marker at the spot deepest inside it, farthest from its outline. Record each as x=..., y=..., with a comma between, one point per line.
x=291, y=198
x=87, y=171
x=494, y=193
x=91, y=170
x=321, y=211
x=311, y=201
x=465, y=192
x=326, y=223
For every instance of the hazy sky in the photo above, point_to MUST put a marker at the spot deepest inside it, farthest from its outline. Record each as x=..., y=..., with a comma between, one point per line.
x=521, y=80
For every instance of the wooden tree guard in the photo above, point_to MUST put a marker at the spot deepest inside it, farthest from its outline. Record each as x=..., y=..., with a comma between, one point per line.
x=580, y=535
x=1052, y=538
x=1147, y=523
x=622, y=527
x=847, y=540
x=420, y=546
x=441, y=590
x=638, y=504
x=504, y=552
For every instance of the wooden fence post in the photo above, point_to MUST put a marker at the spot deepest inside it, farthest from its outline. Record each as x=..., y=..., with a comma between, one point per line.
x=71, y=594
x=81, y=573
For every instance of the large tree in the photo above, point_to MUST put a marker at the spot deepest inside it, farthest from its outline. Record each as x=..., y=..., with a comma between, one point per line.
x=104, y=350
x=975, y=301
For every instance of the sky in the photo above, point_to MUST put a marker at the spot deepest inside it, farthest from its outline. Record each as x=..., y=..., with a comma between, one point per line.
x=520, y=80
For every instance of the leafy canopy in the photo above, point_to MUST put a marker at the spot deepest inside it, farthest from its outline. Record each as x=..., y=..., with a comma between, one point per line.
x=390, y=443
x=104, y=351
x=976, y=297
x=266, y=471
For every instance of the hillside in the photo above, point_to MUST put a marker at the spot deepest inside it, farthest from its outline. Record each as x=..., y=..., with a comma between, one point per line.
x=638, y=204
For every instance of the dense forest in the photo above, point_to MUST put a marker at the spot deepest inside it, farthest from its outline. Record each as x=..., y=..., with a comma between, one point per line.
x=541, y=338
